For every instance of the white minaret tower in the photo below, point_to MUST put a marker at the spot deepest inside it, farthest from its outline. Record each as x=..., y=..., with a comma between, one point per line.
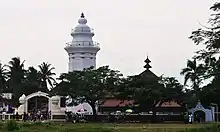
x=82, y=50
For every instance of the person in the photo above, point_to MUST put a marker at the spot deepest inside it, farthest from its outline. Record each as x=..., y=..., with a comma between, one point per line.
x=186, y=117
x=41, y=117
x=24, y=117
x=3, y=114
x=38, y=114
x=49, y=115
x=29, y=116
x=190, y=118
x=17, y=116
x=34, y=117
x=110, y=117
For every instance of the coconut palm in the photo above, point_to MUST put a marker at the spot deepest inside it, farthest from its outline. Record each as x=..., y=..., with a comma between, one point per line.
x=3, y=77
x=193, y=73
x=16, y=76
x=46, y=73
x=32, y=75
x=32, y=81
x=16, y=69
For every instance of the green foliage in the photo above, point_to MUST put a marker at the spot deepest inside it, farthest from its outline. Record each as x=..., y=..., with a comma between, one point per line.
x=46, y=76
x=212, y=128
x=86, y=130
x=145, y=92
x=90, y=85
x=14, y=78
x=209, y=36
x=3, y=78
x=205, y=65
x=102, y=127
x=193, y=73
x=173, y=90
x=12, y=125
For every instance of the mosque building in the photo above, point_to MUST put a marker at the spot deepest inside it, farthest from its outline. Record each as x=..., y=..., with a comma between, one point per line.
x=82, y=52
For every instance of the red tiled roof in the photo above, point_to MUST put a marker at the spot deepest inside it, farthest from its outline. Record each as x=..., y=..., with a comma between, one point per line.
x=117, y=103
x=168, y=104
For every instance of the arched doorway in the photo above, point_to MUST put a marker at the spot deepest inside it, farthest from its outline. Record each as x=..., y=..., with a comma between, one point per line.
x=199, y=116
x=37, y=101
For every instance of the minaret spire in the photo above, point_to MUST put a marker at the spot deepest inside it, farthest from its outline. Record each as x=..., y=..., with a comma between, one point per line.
x=82, y=15
x=147, y=61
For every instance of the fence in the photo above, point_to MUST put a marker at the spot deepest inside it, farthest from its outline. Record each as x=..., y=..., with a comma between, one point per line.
x=139, y=118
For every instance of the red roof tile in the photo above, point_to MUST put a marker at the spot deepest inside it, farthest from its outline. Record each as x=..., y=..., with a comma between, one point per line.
x=168, y=104
x=117, y=103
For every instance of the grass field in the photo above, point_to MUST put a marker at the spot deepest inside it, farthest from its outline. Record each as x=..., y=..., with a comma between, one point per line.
x=97, y=127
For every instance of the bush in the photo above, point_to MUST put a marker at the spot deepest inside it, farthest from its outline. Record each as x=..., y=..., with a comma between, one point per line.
x=11, y=125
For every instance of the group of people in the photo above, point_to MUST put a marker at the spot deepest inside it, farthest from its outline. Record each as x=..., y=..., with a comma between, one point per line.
x=75, y=117
x=34, y=116
x=193, y=118
x=112, y=117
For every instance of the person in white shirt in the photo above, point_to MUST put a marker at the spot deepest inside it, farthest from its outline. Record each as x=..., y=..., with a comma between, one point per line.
x=190, y=118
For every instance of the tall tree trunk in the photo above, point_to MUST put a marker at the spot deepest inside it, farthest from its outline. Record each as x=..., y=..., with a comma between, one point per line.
x=44, y=86
x=197, y=91
x=92, y=104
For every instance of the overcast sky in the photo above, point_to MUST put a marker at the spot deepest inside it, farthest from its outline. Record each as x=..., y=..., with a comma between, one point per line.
x=128, y=30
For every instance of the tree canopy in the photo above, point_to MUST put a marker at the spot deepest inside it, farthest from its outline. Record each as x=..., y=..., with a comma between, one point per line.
x=94, y=86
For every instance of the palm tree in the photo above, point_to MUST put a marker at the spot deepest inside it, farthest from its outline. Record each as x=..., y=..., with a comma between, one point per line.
x=3, y=77
x=193, y=73
x=16, y=76
x=16, y=69
x=32, y=80
x=46, y=73
x=32, y=75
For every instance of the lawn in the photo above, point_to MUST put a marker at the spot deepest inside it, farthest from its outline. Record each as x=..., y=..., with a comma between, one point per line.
x=98, y=127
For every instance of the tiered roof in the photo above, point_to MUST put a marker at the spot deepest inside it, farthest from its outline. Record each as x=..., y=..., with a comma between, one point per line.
x=148, y=74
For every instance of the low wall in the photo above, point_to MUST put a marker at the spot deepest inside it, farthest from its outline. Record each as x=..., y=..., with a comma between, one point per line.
x=104, y=118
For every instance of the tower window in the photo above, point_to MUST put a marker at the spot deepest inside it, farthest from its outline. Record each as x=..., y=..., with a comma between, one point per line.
x=83, y=57
x=82, y=53
x=91, y=58
x=73, y=57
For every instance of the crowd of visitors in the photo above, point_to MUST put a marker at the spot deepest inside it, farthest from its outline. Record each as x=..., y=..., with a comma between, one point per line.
x=75, y=117
x=34, y=116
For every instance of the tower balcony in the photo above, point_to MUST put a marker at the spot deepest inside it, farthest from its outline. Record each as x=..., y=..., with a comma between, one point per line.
x=83, y=30
x=83, y=44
